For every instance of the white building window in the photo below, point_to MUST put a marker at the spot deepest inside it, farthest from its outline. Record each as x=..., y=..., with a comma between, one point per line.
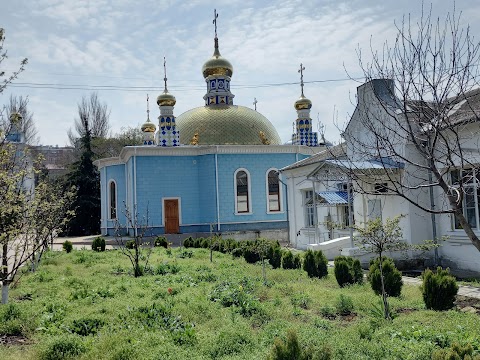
x=309, y=208
x=112, y=200
x=471, y=192
x=273, y=191
x=242, y=191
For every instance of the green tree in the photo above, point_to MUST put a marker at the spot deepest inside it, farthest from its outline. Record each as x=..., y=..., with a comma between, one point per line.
x=85, y=177
x=378, y=237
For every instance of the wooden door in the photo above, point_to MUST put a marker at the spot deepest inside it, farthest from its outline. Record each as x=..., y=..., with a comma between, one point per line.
x=171, y=216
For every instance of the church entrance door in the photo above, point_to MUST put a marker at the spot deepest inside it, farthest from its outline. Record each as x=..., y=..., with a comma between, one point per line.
x=171, y=216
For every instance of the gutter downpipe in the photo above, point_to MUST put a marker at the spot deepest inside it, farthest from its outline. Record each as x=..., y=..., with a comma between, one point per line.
x=315, y=214
x=216, y=189
x=135, y=189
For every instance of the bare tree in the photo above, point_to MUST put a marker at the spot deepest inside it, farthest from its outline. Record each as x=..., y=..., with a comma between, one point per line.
x=19, y=105
x=7, y=79
x=136, y=249
x=417, y=119
x=97, y=115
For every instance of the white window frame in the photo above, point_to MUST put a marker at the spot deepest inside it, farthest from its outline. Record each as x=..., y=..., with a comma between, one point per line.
x=475, y=186
x=280, y=193
x=109, y=208
x=309, y=211
x=249, y=197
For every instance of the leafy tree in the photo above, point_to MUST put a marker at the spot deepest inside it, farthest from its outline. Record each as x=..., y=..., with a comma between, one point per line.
x=111, y=146
x=378, y=238
x=85, y=177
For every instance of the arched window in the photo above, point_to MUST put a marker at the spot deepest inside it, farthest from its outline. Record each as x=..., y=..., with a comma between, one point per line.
x=242, y=188
x=273, y=185
x=112, y=193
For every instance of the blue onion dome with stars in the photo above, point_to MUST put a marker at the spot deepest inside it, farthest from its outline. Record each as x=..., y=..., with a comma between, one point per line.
x=220, y=122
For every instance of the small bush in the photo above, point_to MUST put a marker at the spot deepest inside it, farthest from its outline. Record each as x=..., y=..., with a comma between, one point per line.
x=64, y=347
x=392, y=277
x=251, y=254
x=347, y=271
x=291, y=350
x=130, y=244
x=287, y=260
x=67, y=246
x=188, y=242
x=275, y=256
x=98, y=244
x=297, y=261
x=160, y=241
x=456, y=351
x=315, y=264
x=237, y=252
x=86, y=327
x=439, y=289
x=344, y=305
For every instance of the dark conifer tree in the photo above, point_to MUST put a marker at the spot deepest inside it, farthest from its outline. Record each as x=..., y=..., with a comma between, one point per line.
x=86, y=178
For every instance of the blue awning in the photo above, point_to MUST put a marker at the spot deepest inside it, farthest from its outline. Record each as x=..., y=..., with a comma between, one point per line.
x=332, y=198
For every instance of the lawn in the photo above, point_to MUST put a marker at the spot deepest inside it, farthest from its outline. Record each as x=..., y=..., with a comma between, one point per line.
x=89, y=304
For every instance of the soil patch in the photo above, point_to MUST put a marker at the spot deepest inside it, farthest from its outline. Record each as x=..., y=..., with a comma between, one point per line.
x=10, y=340
x=405, y=311
x=468, y=304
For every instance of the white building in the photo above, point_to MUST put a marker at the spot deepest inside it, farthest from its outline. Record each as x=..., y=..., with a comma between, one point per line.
x=377, y=156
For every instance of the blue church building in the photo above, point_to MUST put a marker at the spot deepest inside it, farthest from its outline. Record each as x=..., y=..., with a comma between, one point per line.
x=212, y=168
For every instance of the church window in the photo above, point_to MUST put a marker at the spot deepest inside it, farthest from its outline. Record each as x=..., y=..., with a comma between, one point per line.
x=112, y=193
x=273, y=184
x=309, y=208
x=242, y=191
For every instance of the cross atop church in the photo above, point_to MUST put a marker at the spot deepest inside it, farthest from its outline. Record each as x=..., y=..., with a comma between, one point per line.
x=148, y=110
x=165, y=72
x=301, y=76
x=215, y=17
x=255, y=103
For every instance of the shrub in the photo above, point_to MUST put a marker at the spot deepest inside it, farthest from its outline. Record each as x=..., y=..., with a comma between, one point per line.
x=63, y=347
x=98, y=244
x=188, y=242
x=160, y=241
x=297, y=261
x=205, y=243
x=86, y=327
x=439, y=289
x=237, y=252
x=287, y=260
x=251, y=254
x=344, y=305
x=130, y=244
x=291, y=350
x=456, y=351
x=67, y=246
x=315, y=264
x=392, y=277
x=347, y=271
x=274, y=255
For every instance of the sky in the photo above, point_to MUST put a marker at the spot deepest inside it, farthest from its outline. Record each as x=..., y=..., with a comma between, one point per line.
x=116, y=47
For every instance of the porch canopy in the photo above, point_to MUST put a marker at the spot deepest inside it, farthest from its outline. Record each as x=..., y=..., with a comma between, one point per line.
x=330, y=198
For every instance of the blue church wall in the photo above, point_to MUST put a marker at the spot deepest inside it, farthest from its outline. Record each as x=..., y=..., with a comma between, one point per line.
x=207, y=205
x=257, y=165
x=112, y=173
x=168, y=177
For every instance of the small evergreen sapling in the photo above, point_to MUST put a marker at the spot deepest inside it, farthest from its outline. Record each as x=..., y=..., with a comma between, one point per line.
x=439, y=289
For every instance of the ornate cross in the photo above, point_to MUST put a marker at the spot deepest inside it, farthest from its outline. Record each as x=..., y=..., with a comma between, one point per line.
x=215, y=17
x=301, y=76
x=255, y=103
x=165, y=72
x=148, y=110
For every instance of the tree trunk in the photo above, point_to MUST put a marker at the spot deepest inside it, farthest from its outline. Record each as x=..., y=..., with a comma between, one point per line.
x=5, y=287
x=386, y=310
x=467, y=228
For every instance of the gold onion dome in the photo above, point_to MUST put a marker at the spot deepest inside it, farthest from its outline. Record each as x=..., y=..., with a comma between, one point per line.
x=166, y=99
x=226, y=125
x=148, y=126
x=303, y=103
x=217, y=65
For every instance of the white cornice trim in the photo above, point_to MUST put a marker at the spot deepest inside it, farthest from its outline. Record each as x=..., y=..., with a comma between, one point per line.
x=195, y=150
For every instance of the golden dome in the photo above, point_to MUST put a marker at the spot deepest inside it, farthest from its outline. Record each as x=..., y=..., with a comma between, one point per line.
x=225, y=125
x=166, y=99
x=217, y=65
x=148, y=126
x=303, y=103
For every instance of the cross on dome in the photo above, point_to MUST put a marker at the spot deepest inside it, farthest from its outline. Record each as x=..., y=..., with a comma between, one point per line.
x=301, y=76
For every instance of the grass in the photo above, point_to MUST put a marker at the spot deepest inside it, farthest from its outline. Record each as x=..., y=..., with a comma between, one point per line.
x=87, y=305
